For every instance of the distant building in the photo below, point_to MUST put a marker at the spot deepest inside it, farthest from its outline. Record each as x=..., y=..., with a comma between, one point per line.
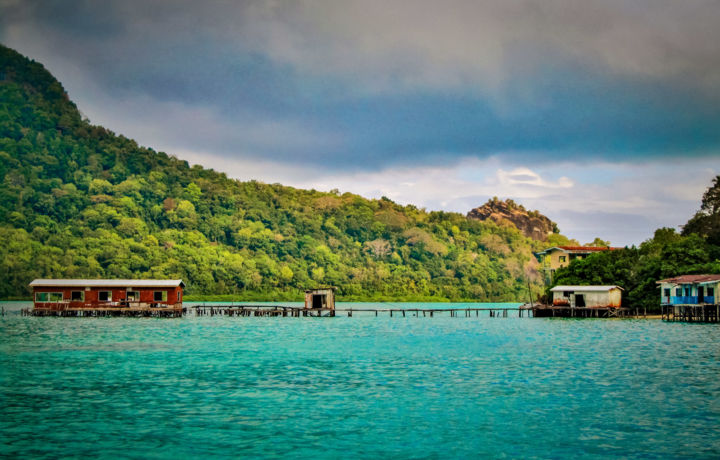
x=61, y=294
x=560, y=256
x=587, y=296
x=690, y=290
x=321, y=298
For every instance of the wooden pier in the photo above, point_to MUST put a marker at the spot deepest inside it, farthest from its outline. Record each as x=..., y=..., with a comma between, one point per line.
x=551, y=311
x=243, y=310
x=691, y=313
x=139, y=312
x=432, y=312
x=260, y=310
x=289, y=311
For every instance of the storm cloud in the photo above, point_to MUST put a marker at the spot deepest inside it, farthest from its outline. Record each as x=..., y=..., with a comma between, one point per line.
x=364, y=87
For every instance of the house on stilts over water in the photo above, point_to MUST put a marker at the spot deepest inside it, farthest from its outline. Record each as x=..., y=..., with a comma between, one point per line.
x=691, y=298
x=584, y=302
x=108, y=297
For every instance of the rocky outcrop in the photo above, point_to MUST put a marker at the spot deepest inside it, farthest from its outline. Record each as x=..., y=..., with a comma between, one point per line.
x=531, y=223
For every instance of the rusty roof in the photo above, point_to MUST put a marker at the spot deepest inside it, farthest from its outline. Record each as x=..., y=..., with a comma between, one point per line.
x=585, y=288
x=105, y=283
x=580, y=249
x=321, y=288
x=691, y=279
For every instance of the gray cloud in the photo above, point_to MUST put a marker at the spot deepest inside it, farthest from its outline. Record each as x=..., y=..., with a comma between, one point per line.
x=386, y=45
x=373, y=90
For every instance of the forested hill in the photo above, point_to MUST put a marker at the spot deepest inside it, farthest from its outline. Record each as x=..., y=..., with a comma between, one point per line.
x=78, y=201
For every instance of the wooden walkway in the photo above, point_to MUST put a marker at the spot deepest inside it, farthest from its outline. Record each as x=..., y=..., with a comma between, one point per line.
x=432, y=312
x=242, y=310
x=549, y=311
x=285, y=311
x=260, y=310
x=703, y=313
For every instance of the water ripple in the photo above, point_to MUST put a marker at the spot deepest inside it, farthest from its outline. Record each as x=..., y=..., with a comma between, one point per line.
x=358, y=387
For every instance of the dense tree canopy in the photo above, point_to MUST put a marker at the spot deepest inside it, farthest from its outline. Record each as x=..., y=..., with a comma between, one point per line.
x=78, y=201
x=706, y=222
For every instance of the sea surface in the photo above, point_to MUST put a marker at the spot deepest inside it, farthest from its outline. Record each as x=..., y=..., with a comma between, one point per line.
x=360, y=387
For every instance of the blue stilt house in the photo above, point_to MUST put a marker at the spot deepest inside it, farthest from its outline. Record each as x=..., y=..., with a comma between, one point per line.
x=690, y=290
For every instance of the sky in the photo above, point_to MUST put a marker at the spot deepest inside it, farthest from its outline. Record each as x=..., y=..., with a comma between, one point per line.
x=602, y=114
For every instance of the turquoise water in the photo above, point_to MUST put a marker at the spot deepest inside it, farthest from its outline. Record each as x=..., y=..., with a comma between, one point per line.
x=365, y=387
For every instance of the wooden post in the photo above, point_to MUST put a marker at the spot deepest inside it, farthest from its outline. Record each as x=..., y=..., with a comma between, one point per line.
x=530, y=292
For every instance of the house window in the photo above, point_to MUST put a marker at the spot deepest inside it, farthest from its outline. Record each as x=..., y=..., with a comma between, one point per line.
x=41, y=297
x=678, y=292
x=55, y=296
x=77, y=296
x=105, y=296
x=710, y=292
x=666, y=293
x=132, y=296
x=687, y=291
x=567, y=293
x=562, y=258
x=160, y=296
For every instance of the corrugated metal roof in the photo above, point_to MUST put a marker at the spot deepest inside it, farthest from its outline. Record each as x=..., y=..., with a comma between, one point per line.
x=105, y=283
x=691, y=279
x=322, y=288
x=579, y=249
x=585, y=288
x=587, y=248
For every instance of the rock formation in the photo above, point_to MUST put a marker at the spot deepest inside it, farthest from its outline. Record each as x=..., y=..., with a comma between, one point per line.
x=531, y=223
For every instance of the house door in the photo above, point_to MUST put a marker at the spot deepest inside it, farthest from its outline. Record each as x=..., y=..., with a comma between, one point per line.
x=579, y=300
x=317, y=301
x=701, y=294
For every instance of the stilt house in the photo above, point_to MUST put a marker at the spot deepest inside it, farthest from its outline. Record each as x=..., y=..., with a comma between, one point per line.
x=587, y=296
x=690, y=290
x=59, y=294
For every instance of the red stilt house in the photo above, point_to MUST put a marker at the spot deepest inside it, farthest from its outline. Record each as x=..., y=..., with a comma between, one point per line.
x=56, y=294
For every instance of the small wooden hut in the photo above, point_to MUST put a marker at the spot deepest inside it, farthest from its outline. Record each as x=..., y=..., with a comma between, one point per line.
x=320, y=298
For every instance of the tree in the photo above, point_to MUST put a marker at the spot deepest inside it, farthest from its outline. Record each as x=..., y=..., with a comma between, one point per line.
x=598, y=243
x=706, y=222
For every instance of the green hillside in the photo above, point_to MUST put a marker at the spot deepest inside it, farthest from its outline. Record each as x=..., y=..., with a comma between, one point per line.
x=78, y=201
